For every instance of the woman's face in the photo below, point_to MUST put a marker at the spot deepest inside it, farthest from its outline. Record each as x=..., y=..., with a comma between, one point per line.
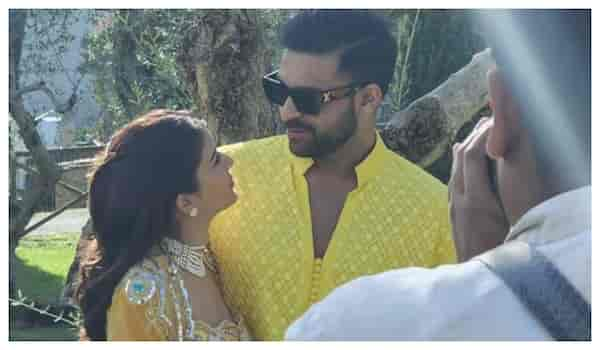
x=215, y=182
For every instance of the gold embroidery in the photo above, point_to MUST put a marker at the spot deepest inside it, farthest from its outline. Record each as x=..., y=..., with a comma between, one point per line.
x=156, y=283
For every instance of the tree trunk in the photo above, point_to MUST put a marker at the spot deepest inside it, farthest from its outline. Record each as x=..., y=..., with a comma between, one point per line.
x=126, y=64
x=424, y=130
x=49, y=173
x=224, y=62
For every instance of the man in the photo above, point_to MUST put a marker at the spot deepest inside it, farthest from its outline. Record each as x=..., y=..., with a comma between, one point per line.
x=328, y=202
x=539, y=138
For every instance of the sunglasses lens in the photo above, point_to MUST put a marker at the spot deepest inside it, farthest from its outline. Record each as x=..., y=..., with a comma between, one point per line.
x=275, y=91
x=306, y=101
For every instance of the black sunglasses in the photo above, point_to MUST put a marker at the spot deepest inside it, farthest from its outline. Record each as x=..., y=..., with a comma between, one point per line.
x=306, y=100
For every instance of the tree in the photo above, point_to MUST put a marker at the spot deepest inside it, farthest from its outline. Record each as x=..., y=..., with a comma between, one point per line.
x=133, y=55
x=433, y=45
x=224, y=56
x=49, y=30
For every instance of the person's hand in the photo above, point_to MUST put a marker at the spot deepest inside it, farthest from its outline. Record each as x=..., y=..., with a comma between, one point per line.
x=478, y=220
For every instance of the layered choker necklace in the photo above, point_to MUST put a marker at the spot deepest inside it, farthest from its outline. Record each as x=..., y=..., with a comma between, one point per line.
x=193, y=259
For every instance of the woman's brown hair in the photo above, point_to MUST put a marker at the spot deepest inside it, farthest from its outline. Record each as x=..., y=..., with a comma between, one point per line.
x=132, y=203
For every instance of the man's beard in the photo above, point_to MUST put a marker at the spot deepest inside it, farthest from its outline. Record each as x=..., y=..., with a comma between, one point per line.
x=324, y=143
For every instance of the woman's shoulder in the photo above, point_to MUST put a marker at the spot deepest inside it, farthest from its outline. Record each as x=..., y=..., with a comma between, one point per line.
x=144, y=280
x=138, y=303
x=150, y=303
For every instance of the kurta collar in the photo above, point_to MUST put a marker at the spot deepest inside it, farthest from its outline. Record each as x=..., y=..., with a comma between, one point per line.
x=366, y=170
x=556, y=218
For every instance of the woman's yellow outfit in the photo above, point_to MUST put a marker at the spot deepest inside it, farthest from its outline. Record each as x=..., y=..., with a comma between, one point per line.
x=152, y=303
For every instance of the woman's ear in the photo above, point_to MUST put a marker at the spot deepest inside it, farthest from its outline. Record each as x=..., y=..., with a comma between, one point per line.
x=183, y=204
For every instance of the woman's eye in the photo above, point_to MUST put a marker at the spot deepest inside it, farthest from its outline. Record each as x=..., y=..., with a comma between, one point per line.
x=217, y=158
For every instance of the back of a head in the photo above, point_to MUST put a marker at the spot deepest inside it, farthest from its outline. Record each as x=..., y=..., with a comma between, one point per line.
x=545, y=57
x=368, y=49
x=132, y=202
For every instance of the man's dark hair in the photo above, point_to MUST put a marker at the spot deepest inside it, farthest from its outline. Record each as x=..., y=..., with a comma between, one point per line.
x=368, y=49
x=545, y=58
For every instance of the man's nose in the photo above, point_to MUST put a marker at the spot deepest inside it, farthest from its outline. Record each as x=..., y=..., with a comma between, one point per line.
x=288, y=111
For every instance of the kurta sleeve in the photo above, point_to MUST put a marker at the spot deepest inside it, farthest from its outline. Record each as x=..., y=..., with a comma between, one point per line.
x=132, y=315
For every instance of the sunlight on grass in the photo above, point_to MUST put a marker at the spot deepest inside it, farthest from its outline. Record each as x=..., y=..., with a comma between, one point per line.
x=45, y=261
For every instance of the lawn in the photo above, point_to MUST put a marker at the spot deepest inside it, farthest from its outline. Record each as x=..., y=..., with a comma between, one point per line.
x=45, y=261
x=42, y=334
x=41, y=273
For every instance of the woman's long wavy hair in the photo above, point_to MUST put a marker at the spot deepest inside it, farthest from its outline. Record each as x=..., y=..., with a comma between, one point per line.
x=132, y=203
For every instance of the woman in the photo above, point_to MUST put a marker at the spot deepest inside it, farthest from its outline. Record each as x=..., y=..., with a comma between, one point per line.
x=150, y=275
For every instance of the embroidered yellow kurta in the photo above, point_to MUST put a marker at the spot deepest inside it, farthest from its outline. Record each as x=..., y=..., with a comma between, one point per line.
x=151, y=303
x=396, y=217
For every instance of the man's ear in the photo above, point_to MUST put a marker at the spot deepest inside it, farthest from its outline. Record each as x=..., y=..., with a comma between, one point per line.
x=502, y=132
x=372, y=97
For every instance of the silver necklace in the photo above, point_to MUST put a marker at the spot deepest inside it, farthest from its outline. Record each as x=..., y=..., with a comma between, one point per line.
x=194, y=259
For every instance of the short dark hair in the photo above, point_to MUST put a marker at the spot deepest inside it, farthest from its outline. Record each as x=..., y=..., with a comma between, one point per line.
x=368, y=48
x=545, y=58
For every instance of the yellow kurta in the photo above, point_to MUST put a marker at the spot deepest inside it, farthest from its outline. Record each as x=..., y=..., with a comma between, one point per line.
x=150, y=303
x=396, y=217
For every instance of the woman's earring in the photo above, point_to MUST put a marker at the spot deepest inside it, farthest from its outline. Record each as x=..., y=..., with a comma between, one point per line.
x=194, y=212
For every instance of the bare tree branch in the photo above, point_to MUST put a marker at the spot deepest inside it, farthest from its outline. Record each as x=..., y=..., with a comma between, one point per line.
x=41, y=86
x=59, y=182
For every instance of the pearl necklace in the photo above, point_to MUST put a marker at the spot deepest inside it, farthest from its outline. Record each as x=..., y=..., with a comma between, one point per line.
x=194, y=259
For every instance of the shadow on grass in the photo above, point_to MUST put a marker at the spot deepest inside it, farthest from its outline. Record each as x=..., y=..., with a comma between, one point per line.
x=44, y=289
x=42, y=334
x=37, y=284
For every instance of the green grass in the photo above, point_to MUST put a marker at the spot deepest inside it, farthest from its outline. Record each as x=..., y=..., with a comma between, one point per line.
x=43, y=263
x=41, y=333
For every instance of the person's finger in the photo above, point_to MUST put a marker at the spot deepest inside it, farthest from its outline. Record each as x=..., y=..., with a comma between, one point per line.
x=456, y=183
x=476, y=176
x=452, y=171
x=462, y=145
x=457, y=179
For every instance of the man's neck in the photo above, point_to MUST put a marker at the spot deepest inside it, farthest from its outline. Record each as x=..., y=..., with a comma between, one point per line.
x=344, y=160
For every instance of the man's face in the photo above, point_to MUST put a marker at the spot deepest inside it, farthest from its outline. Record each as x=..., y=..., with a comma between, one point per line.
x=321, y=134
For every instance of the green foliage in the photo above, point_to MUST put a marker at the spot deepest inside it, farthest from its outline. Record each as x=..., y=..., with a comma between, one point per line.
x=133, y=55
x=444, y=41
